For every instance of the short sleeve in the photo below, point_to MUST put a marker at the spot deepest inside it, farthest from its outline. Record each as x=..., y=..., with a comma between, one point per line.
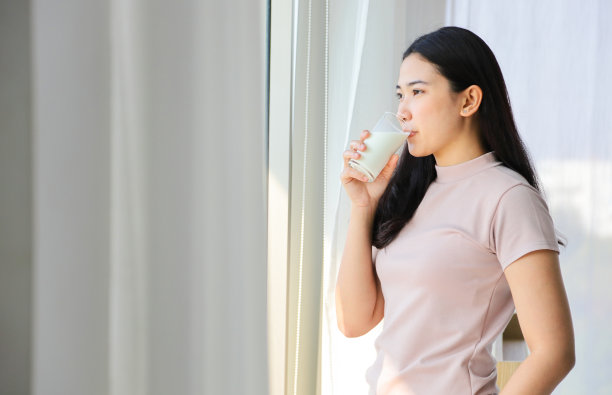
x=521, y=224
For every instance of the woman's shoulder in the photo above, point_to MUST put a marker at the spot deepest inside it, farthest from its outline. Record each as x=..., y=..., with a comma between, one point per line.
x=501, y=179
x=513, y=193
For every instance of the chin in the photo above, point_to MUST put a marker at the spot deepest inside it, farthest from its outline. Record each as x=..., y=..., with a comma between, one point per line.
x=417, y=153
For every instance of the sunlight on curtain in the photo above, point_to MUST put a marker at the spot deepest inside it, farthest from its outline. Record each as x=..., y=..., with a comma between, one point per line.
x=556, y=59
x=340, y=357
x=367, y=40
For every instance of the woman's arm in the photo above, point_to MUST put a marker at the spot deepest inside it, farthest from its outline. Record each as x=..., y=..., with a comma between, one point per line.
x=359, y=300
x=544, y=315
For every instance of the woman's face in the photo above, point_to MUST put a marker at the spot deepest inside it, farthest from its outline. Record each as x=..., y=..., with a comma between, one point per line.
x=429, y=107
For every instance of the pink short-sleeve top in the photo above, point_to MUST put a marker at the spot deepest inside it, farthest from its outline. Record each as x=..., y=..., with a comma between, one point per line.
x=442, y=277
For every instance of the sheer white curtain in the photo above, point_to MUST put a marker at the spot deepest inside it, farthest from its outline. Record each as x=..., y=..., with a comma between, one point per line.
x=149, y=157
x=367, y=39
x=556, y=58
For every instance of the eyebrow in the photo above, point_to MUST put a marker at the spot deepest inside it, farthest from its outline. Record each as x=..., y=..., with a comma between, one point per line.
x=413, y=83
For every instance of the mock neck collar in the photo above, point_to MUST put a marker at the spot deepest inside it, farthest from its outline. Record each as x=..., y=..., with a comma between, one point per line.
x=466, y=169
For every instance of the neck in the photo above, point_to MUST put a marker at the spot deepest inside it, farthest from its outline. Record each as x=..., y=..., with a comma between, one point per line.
x=465, y=147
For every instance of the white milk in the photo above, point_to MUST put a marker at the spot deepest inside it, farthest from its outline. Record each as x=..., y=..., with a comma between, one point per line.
x=379, y=148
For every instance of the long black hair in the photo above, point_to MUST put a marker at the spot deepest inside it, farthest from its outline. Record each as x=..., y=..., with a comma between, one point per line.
x=464, y=59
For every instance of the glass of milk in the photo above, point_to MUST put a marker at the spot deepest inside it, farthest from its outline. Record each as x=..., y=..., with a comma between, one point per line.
x=386, y=137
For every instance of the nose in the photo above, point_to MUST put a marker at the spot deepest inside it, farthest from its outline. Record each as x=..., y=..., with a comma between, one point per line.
x=403, y=113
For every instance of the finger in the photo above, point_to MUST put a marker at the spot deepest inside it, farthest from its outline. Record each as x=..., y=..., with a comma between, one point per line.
x=387, y=171
x=393, y=161
x=349, y=174
x=357, y=145
x=364, y=134
x=354, y=144
x=348, y=155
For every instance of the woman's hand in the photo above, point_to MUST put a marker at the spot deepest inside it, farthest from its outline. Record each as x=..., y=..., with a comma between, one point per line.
x=361, y=192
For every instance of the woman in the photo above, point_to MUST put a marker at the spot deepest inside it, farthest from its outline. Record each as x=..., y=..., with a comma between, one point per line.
x=453, y=236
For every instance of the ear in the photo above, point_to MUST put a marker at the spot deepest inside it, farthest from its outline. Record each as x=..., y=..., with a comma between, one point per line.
x=471, y=98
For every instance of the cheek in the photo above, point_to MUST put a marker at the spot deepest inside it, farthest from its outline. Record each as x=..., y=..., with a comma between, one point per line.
x=442, y=118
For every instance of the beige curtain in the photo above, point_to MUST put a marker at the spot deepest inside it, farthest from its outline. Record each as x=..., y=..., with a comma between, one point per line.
x=150, y=142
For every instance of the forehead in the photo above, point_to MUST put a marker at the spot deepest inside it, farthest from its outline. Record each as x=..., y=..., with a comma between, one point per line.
x=415, y=68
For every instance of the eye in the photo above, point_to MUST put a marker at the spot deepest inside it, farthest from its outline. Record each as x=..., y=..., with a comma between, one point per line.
x=399, y=95
x=416, y=92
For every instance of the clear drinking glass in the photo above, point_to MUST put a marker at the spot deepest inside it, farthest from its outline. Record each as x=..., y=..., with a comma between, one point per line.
x=386, y=137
